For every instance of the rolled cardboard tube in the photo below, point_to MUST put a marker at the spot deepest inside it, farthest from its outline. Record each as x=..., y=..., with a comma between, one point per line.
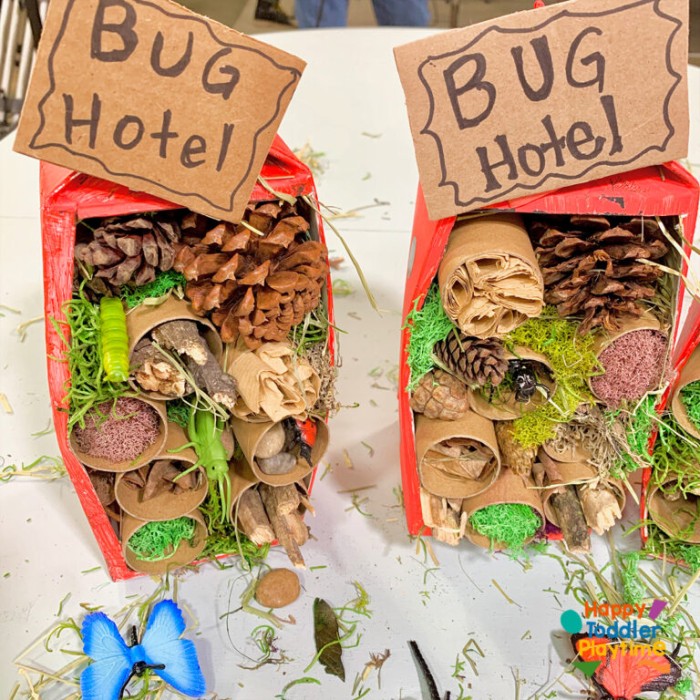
x=571, y=453
x=678, y=518
x=441, y=475
x=577, y=473
x=185, y=553
x=127, y=465
x=512, y=409
x=689, y=374
x=489, y=278
x=508, y=488
x=249, y=435
x=144, y=318
x=646, y=322
x=166, y=505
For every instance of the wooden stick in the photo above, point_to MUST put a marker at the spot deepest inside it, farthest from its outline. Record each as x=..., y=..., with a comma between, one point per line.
x=297, y=528
x=287, y=498
x=271, y=502
x=566, y=505
x=600, y=507
x=253, y=519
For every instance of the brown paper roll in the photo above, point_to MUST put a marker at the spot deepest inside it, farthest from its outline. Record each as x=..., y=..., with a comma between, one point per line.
x=273, y=382
x=679, y=518
x=248, y=436
x=512, y=409
x=144, y=318
x=165, y=506
x=489, y=278
x=145, y=457
x=185, y=553
x=645, y=322
x=442, y=475
x=508, y=488
x=689, y=374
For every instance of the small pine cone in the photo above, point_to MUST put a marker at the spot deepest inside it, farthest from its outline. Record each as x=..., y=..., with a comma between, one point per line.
x=129, y=250
x=440, y=395
x=476, y=361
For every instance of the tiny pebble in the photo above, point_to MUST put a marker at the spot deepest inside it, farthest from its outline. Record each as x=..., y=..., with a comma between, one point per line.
x=277, y=588
x=283, y=463
x=272, y=442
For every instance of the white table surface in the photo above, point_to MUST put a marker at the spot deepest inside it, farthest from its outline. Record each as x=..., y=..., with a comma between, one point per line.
x=350, y=106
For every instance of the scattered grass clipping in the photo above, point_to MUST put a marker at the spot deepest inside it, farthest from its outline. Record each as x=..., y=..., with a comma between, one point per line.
x=573, y=362
x=682, y=553
x=508, y=525
x=428, y=325
x=157, y=541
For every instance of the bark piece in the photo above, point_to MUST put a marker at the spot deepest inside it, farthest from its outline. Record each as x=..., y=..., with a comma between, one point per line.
x=443, y=517
x=600, y=508
x=272, y=502
x=520, y=459
x=153, y=372
x=297, y=528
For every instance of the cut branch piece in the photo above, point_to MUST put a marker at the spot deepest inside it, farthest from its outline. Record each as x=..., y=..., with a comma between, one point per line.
x=253, y=518
x=297, y=528
x=600, y=507
x=279, y=525
x=153, y=372
x=183, y=337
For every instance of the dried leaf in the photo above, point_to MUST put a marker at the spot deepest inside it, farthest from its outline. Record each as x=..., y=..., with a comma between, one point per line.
x=327, y=639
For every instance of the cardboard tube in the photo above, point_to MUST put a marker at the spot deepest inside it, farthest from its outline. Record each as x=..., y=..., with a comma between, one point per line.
x=144, y=318
x=571, y=453
x=443, y=476
x=571, y=473
x=184, y=554
x=489, y=278
x=512, y=409
x=166, y=505
x=145, y=457
x=678, y=518
x=248, y=436
x=508, y=488
x=689, y=374
x=646, y=322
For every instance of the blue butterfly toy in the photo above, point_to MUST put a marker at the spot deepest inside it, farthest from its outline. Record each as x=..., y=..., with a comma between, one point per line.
x=161, y=650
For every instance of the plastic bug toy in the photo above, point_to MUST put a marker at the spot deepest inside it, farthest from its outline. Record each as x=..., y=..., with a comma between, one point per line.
x=525, y=381
x=114, y=341
x=301, y=434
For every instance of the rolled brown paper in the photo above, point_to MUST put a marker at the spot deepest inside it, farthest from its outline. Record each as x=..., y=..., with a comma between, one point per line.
x=646, y=322
x=512, y=409
x=185, y=554
x=678, y=518
x=443, y=476
x=148, y=455
x=248, y=435
x=508, y=488
x=689, y=374
x=490, y=281
x=144, y=318
x=166, y=505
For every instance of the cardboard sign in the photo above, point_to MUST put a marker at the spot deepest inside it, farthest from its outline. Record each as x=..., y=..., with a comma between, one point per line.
x=153, y=96
x=545, y=98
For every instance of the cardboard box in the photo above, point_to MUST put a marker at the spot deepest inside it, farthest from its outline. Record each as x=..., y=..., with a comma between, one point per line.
x=68, y=197
x=666, y=190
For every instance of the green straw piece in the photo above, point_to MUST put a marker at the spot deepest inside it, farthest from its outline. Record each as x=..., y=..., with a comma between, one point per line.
x=507, y=524
x=156, y=541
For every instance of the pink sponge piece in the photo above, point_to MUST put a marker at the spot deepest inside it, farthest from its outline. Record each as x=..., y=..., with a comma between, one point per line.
x=633, y=364
x=118, y=432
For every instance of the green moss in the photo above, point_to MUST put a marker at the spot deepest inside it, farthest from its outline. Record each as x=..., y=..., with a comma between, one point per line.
x=507, y=524
x=428, y=326
x=156, y=541
x=690, y=398
x=661, y=544
x=178, y=412
x=573, y=363
x=684, y=686
x=161, y=285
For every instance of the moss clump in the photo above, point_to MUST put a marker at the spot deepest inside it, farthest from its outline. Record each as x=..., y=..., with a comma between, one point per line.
x=428, y=326
x=690, y=398
x=684, y=554
x=178, y=412
x=573, y=363
x=157, y=541
x=509, y=525
x=161, y=285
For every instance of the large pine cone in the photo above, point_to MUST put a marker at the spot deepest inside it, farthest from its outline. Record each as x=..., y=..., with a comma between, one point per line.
x=257, y=286
x=129, y=250
x=440, y=395
x=476, y=361
x=590, y=266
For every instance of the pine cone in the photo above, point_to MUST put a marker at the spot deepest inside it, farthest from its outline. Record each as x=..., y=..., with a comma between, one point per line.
x=440, y=395
x=129, y=250
x=257, y=286
x=590, y=267
x=476, y=361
